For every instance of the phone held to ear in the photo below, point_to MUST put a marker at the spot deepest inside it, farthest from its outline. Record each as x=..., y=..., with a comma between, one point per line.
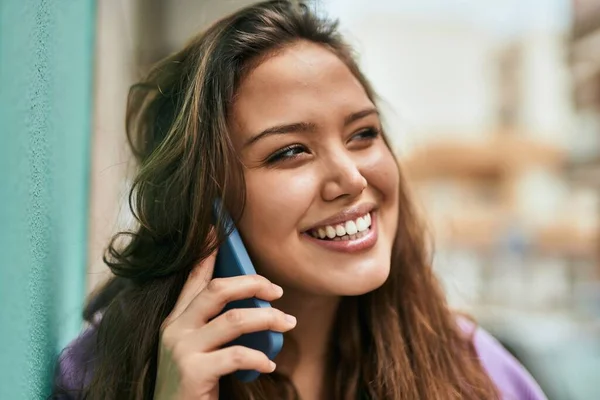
x=233, y=260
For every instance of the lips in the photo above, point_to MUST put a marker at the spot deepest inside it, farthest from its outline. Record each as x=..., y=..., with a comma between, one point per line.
x=358, y=242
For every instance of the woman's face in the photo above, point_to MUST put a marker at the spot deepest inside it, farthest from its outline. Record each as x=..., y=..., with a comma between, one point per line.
x=315, y=165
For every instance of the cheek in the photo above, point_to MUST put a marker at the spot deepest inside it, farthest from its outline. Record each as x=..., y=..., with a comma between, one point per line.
x=382, y=173
x=275, y=203
x=383, y=177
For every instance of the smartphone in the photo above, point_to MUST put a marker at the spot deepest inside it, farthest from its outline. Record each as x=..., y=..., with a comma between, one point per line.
x=233, y=260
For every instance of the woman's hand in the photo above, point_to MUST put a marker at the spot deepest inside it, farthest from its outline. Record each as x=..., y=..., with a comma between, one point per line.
x=191, y=360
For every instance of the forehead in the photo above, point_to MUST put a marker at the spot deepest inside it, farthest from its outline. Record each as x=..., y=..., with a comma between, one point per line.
x=305, y=81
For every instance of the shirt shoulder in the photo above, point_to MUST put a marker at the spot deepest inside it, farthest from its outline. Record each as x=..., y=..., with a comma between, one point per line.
x=74, y=367
x=510, y=377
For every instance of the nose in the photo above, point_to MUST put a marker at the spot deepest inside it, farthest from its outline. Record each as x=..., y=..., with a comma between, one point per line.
x=342, y=177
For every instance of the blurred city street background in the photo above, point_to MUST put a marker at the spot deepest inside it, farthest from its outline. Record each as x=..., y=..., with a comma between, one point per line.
x=493, y=107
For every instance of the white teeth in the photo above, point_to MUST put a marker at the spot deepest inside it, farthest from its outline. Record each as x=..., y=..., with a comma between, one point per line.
x=330, y=232
x=361, y=224
x=350, y=228
x=353, y=229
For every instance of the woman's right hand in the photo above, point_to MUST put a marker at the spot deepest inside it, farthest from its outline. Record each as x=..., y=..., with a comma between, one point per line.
x=191, y=358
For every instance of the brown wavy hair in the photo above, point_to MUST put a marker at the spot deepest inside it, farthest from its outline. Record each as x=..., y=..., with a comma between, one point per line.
x=398, y=342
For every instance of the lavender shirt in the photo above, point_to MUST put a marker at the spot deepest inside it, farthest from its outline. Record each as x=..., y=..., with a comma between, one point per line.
x=513, y=381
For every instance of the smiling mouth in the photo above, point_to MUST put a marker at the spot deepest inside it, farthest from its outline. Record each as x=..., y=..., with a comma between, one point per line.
x=348, y=230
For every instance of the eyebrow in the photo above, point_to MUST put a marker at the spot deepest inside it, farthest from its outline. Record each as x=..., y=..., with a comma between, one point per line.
x=301, y=127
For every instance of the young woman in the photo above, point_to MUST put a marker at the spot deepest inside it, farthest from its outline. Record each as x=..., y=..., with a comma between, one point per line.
x=268, y=110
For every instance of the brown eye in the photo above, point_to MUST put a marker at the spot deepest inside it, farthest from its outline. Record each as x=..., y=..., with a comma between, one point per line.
x=286, y=153
x=366, y=134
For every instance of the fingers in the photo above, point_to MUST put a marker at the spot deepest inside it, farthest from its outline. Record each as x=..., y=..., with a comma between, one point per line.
x=230, y=359
x=221, y=291
x=196, y=282
x=237, y=322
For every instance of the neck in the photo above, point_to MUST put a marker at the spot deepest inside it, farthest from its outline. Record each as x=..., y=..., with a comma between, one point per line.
x=304, y=357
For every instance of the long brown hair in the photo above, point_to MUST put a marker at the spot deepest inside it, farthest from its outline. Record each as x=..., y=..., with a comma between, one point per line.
x=397, y=342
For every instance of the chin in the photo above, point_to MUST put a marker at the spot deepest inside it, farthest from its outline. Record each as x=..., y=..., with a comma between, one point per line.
x=361, y=281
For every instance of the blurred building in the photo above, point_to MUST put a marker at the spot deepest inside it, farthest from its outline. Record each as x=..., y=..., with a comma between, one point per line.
x=583, y=167
x=584, y=54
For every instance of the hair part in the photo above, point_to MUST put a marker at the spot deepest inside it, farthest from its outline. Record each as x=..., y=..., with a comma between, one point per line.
x=399, y=341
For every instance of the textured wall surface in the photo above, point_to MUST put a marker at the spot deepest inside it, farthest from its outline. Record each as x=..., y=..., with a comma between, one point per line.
x=46, y=50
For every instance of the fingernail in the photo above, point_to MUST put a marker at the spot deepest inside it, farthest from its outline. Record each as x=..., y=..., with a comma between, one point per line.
x=272, y=365
x=277, y=288
x=290, y=319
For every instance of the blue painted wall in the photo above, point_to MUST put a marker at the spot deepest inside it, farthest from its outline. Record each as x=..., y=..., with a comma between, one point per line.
x=46, y=50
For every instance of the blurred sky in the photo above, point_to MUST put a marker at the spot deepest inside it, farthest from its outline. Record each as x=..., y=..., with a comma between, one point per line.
x=501, y=17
